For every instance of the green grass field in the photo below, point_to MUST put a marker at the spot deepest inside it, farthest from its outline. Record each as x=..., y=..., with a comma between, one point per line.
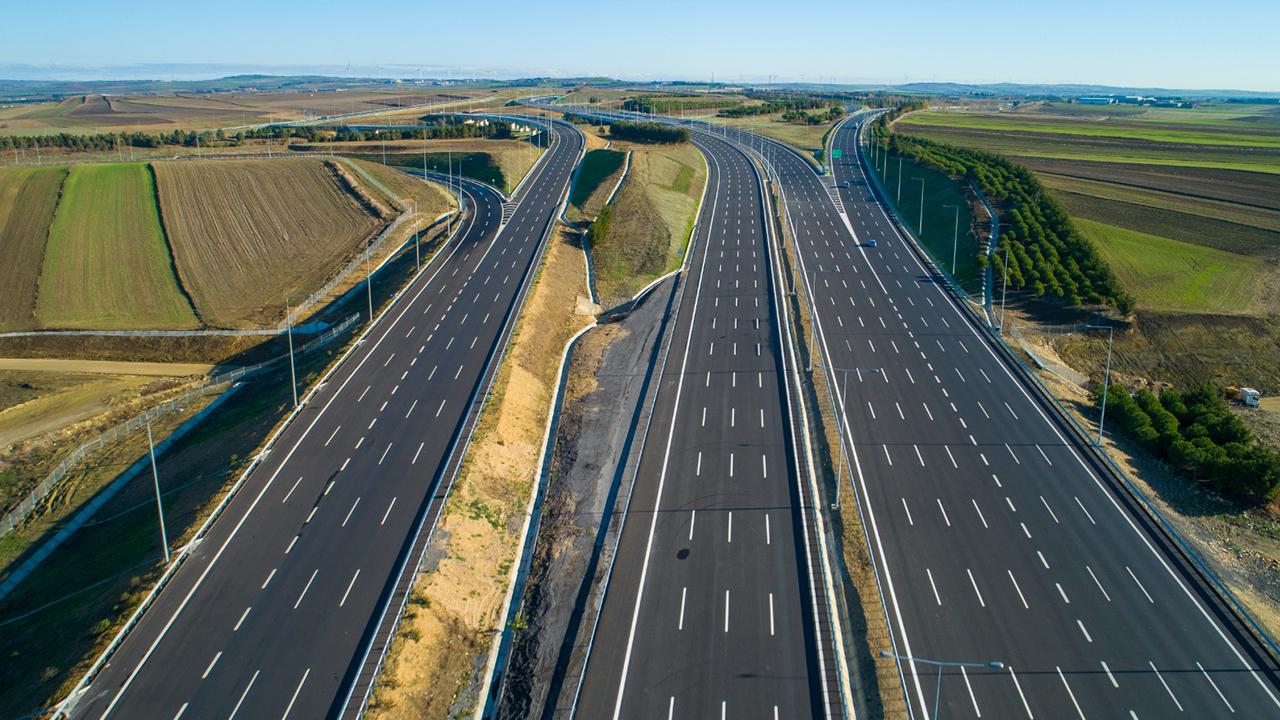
x=589, y=188
x=28, y=197
x=1169, y=275
x=107, y=265
x=1125, y=129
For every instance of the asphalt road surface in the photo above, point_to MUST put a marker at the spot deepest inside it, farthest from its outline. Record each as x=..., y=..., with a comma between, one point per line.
x=275, y=613
x=995, y=539
x=709, y=612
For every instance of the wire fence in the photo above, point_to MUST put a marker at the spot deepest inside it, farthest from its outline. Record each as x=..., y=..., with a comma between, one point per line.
x=214, y=384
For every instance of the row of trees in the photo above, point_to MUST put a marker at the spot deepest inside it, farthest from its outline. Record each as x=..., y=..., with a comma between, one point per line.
x=648, y=132
x=769, y=107
x=1195, y=431
x=664, y=104
x=1047, y=254
x=111, y=141
x=101, y=142
x=833, y=113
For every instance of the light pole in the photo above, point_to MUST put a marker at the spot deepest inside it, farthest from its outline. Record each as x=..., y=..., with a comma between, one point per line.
x=842, y=393
x=899, y=200
x=940, y=664
x=155, y=478
x=417, y=244
x=368, y=280
x=1004, y=290
x=920, y=225
x=955, y=238
x=1106, y=378
x=293, y=376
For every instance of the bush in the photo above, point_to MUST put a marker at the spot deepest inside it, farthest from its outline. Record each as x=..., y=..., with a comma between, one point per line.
x=648, y=132
x=1196, y=432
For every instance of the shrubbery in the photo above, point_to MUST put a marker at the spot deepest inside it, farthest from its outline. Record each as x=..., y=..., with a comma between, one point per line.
x=1195, y=431
x=647, y=132
x=1047, y=254
x=676, y=103
x=100, y=142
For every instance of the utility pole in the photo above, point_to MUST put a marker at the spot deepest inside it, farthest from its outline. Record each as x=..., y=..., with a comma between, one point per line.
x=155, y=477
x=293, y=375
x=1004, y=291
x=955, y=238
x=920, y=225
x=899, y=200
x=844, y=393
x=417, y=244
x=368, y=283
x=1106, y=379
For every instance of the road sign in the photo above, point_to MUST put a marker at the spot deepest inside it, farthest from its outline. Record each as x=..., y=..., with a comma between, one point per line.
x=836, y=153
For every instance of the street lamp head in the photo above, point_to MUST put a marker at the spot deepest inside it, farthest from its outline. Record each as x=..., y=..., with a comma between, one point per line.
x=995, y=665
x=886, y=653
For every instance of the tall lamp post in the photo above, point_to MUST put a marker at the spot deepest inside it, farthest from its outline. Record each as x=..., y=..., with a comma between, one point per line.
x=1106, y=378
x=920, y=225
x=940, y=664
x=155, y=478
x=293, y=375
x=955, y=238
x=842, y=392
x=1004, y=290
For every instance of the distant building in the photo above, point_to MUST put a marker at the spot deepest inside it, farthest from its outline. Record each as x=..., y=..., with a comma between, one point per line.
x=1096, y=101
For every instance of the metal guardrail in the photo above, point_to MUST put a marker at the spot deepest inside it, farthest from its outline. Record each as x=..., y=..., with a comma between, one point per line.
x=214, y=384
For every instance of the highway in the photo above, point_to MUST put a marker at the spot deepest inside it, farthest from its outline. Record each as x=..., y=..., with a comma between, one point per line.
x=709, y=610
x=995, y=538
x=284, y=607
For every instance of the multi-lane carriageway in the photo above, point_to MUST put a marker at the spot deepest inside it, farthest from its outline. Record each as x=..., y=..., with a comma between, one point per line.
x=995, y=537
x=710, y=608
x=283, y=607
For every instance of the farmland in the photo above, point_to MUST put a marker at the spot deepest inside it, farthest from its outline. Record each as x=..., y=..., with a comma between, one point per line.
x=645, y=231
x=107, y=264
x=248, y=233
x=27, y=200
x=90, y=113
x=1169, y=195
x=184, y=244
x=1172, y=275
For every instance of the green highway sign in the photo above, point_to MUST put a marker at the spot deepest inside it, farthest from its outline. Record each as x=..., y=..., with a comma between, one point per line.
x=836, y=153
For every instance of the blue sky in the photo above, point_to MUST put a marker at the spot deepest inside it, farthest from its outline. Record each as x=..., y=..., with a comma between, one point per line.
x=1174, y=43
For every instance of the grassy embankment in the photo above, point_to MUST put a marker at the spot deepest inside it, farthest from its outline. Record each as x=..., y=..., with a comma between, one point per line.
x=945, y=228
x=453, y=614
x=596, y=178
x=644, y=233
